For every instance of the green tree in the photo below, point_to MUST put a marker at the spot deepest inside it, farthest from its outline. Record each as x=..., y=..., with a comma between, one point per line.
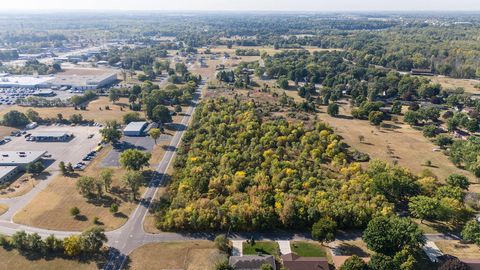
x=114, y=208
x=86, y=185
x=283, y=82
x=333, y=109
x=33, y=116
x=74, y=211
x=381, y=262
x=15, y=119
x=223, y=265
x=19, y=240
x=458, y=180
x=423, y=207
x=222, y=243
x=389, y=235
x=76, y=118
x=114, y=95
x=411, y=118
x=133, y=180
x=131, y=117
x=429, y=131
x=324, y=230
x=110, y=132
x=106, y=177
x=266, y=267
x=161, y=114
x=471, y=232
x=63, y=168
x=35, y=167
x=133, y=159
x=155, y=134
x=354, y=263
x=93, y=239
x=375, y=117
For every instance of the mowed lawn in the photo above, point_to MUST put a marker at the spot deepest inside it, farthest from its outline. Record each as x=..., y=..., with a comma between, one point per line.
x=11, y=259
x=193, y=255
x=93, y=112
x=399, y=143
x=264, y=247
x=51, y=208
x=308, y=249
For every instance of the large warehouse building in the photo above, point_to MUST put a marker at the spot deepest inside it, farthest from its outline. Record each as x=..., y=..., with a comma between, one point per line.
x=12, y=162
x=76, y=79
x=135, y=129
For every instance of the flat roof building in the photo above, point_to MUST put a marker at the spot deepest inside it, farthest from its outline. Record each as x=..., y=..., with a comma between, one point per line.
x=7, y=172
x=51, y=136
x=135, y=129
x=19, y=158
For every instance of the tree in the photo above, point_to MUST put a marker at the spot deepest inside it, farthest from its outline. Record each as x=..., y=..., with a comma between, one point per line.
x=161, y=114
x=471, y=232
x=76, y=118
x=429, y=131
x=223, y=265
x=396, y=107
x=424, y=207
x=411, y=118
x=63, y=168
x=354, y=263
x=53, y=244
x=19, y=240
x=35, y=242
x=74, y=211
x=222, y=243
x=114, y=95
x=178, y=108
x=33, y=115
x=324, y=230
x=458, y=180
x=454, y=264
x=333, y=109
x=86, y=185
x=155, y=134
x=72, y=245
x=375, y=117
x=381, y=262
x=110, y=132
x=133, y=159
x=35, y=167
x=133, y=180
x=106, y=176
x=131, y=117
x=114, y=208
x=92, y=240
x=15, y=119
x=70, y=167
x=266, y=267
x=283, y=82
x=389, y=235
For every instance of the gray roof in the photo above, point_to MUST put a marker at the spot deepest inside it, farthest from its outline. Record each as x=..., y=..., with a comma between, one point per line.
x=136, y=126
x=50, y=134
x=13, y=158
x=251, y=262
x=5, y=170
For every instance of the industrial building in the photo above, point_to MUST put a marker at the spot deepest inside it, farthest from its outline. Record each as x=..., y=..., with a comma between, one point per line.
x=12, y=162
x=51, y=136
x=76, y=79
x=135, y=129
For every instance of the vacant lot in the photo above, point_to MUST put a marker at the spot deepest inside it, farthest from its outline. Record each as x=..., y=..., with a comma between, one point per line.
x=460, y=250
x=95, y=110
x=50, y=209
x=11, y=259
x=195, y=255
x=397, y=143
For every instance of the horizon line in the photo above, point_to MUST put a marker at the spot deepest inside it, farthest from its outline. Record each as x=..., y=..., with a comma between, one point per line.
x=87, y=10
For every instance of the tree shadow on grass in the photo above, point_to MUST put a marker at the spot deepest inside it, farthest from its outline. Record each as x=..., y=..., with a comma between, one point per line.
x=347, y=249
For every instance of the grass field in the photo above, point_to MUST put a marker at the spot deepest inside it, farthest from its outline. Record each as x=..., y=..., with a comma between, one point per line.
x=353, y=247
x=5, y=131
x=396, y=143
x=195, y=255
x=50, y=209
x=11, y=259
x=264, y=247
x=22, y=185
x=458, y=249
x=452, y=83
x=3, y=209
x=308, y=249
x=267, y=49
x=92, y=112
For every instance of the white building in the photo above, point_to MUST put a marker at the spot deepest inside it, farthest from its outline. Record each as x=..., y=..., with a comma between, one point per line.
x=135, y=129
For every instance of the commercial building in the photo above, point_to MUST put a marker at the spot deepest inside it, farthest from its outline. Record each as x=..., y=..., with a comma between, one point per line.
x=51, y=136
x=135, y=129
x=12, y=162
x=14, y=81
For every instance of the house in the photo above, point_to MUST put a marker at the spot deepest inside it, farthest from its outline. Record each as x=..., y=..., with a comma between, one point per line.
x=251, y=262
x=295, y=262
x=422, y=72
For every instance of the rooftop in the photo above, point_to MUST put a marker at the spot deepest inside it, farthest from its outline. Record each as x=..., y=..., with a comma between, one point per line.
x=135, y=126
x=12, y=158
x=50, y=134
x=82, y=76
x=251, y=261
x=295, y=262
x=24, y=80
x=5, y=170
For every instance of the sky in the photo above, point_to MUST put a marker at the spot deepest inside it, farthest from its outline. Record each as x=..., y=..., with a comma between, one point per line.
x=244, y=5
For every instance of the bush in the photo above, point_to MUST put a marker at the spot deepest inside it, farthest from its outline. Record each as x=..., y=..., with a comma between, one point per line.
x=354, y=263
x=222, y=243
x=113, y=208
x=74, y=211
x=333, y=109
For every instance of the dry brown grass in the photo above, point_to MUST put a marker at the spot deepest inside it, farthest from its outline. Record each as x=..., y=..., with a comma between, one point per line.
x=452, y=83
x=194, y=255
x=3, y=209
x=11, y=259
x=267, y=49
x=5, y=131
x=92, y=112
x=22, y=185
x=458, y=249
x=51, y=208
x=399, y=143
x=353, y=247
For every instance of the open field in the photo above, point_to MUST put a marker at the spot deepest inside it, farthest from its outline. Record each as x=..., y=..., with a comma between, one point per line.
x=12, y=259
x=398, y=143
x=453, y=83
x=308, y=249
x=50, y=209
x=5, y=131
x=3, y=209
x=264, y=49
x=92, y=112
x=195, y=255
x=264, y=247
x=458, y=249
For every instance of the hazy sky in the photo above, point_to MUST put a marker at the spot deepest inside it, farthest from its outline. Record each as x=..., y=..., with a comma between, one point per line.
x=272, y=5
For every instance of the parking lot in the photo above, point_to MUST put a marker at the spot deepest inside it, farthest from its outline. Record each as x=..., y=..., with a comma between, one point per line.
x=70, y=151
x=141, y=143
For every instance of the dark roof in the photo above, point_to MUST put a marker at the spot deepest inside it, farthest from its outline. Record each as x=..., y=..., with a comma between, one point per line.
x=295, y=262
x=251, y=262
